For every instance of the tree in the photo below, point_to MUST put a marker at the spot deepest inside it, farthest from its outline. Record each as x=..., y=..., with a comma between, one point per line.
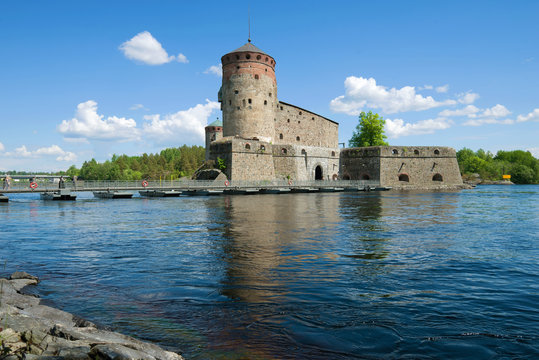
x=369, y=131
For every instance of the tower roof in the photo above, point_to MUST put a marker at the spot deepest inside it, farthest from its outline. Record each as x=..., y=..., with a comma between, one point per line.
x=248, y=47
x=216, y=123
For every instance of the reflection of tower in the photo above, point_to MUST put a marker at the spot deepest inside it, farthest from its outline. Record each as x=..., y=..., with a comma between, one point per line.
x=214, y=131
x=248, y=93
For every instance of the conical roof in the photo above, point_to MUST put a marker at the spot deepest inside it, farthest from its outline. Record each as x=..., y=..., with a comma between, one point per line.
x=248, y=47
x=216, y=123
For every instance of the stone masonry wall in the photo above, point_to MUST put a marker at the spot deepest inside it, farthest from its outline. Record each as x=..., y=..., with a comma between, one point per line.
x=248, y=95
x=297, y=126
x=403, y=166
x=300, y=162
x=245, y=159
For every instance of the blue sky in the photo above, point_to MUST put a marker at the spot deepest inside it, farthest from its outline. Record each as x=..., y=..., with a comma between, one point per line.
x=82, y=80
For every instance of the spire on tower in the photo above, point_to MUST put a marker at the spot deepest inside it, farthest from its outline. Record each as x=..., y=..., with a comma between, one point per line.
x=249, y=21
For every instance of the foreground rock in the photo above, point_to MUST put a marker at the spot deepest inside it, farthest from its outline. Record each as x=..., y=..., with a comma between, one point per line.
x=29, y=330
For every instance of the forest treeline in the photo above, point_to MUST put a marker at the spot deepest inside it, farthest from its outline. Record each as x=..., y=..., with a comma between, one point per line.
x=169, y=163
x=521, y=165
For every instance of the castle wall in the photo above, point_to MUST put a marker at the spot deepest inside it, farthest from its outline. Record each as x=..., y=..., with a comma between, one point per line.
x=402, y=166
x=360, y=163
x=244, y=159
x=299, y=162
x=297, y=126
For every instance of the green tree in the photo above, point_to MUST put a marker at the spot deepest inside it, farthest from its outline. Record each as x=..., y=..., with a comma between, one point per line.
x=369, y=131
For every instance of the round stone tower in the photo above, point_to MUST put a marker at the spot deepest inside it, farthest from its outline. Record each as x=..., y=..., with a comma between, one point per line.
x=214, y=131
x=248, y=94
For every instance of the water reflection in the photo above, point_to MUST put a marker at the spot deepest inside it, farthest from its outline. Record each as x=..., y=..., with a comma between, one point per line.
x=267, y=233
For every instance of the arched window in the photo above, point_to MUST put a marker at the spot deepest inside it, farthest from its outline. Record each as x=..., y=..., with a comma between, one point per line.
x=436, y=152
x=333, y=153
x=437, y=177
x=258, y=57
x=346, y=177
x=281, y=136
x=247, y=56
x=303, y=152
x=416, y=152
x=283, y=150
x=404, y=177
x=297, y=138
x=365, y=177
x=265, y=102
x=395, y=152
x=256, y=77
x=247, y=146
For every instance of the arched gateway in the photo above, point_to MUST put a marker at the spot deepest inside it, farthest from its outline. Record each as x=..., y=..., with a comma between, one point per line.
x=318, y=175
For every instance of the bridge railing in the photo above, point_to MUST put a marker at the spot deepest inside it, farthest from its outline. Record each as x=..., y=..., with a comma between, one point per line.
x=135, y=185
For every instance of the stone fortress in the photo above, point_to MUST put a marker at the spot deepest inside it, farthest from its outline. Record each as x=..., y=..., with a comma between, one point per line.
x=262, y=138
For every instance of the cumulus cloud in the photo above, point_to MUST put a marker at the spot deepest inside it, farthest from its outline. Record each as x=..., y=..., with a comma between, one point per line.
x=467, y=98
x=2, y=147
x=181, y=58
x=144, y=48
x=53, y=150
x=533, y=116
x=397, y=127
x=88, y=124
x=472, y=112
x=442, y=89
x=182, y=126
x=215, y=70
x=469, y=111
x=484, y=121
x=496, y=111
x=361, y=92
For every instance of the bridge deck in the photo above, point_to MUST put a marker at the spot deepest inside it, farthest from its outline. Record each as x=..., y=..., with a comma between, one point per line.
x=190, y=185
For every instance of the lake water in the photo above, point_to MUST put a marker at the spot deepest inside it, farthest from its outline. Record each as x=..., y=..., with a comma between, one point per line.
x=317, y=276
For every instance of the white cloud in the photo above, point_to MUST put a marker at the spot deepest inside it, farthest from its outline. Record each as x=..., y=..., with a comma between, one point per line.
x=397, y=128
x=469, y=111
x=181, y=58
x=182, y=126
x=144, y=48
x=2, y=147
x=215, y=70
x=138, y=107
x=468, y=98
x=533, y=116
x=534, y=151
x=88, y=124
x=53, y=150
x=361, y=92
x=442, y=89
x=426, y=87
x=496, y=111
x=483, y=121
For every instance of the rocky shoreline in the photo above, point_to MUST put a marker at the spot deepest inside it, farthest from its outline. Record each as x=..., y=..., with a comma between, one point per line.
x=30, y=330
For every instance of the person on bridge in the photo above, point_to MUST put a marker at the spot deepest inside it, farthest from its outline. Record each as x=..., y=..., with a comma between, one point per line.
x=61, y=183
x=5, y=183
